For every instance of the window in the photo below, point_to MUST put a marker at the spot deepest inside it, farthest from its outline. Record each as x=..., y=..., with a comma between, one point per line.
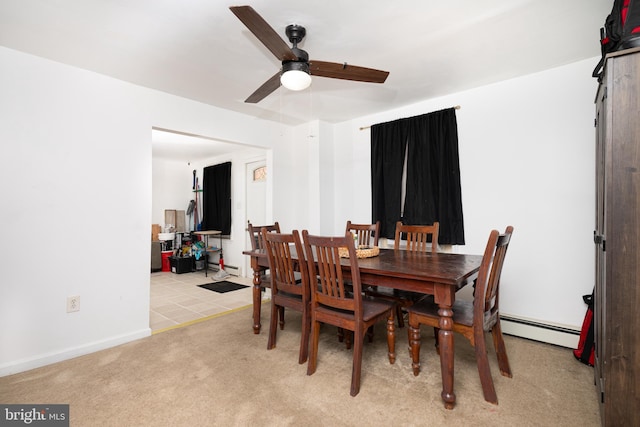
x=260, y=174
x=432, y=189
x=216, y=198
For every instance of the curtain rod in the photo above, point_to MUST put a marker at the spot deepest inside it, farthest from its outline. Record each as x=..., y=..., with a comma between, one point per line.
x=457, y=107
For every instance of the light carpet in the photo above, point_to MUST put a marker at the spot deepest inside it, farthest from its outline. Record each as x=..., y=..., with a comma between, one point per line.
x=219, y=373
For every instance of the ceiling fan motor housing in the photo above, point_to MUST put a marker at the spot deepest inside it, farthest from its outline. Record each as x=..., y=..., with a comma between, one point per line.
x=301, y=64
x=295, y=66
x=295, y=33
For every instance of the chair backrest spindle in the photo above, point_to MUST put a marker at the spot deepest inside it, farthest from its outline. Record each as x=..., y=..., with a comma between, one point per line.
x=368, y=234
x=281, y=263
x=327, y=268
x=420, y=238
x=256, y=236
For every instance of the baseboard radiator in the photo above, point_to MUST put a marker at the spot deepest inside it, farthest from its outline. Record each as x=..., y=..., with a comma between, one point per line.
x=231, y=269
x=545, y=332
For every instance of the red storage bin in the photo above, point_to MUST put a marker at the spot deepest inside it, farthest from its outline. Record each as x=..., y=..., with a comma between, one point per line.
x=166, y=263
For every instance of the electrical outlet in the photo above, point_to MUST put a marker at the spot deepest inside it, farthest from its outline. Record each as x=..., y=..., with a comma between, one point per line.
x=73, y=304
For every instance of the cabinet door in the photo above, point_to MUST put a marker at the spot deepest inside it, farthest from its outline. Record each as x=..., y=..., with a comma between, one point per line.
x=621, y=285
x=599, y=236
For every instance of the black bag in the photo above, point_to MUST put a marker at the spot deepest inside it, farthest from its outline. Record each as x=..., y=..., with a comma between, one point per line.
x=586, y=348
x=621, y=30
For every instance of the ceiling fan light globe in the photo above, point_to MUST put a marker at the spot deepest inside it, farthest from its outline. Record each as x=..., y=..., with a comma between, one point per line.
x=295, y=80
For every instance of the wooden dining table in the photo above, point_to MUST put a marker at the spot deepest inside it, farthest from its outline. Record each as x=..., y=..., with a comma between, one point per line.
x=439, y=274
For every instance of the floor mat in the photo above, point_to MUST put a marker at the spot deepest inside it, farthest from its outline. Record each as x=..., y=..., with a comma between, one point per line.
x=223, y=286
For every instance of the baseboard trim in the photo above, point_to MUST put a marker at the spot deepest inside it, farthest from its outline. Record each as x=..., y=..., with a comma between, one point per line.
x=231, y=269
x=560, y=335
x=54, y=357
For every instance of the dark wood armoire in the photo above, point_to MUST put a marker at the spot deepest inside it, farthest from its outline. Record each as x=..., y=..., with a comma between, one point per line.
x=617, y=241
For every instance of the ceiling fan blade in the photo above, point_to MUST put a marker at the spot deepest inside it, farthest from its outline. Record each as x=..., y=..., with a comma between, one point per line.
x=263, y=91
x=264, y=32
x=345, y=71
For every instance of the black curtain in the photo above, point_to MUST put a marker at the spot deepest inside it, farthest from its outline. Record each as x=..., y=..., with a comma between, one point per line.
x=388, y=144
x=216, y=198
x=433, y=191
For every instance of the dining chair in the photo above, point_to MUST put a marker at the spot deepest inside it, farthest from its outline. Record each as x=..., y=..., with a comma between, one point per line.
x=255, y=233
x=368, y=234
x=257, y=242
x=332, y=302
x=420, y=238
x=289, y=285
x=472, y=319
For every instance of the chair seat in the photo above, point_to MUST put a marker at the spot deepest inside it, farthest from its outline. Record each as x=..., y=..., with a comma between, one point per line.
x=402, y=299
x=265, y=281
x=288, y=299
x=462, y=311
x=288, y=295
x=371, y=308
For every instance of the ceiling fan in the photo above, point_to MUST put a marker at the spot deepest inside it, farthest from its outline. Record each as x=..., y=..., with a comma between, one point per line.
x=297, y=69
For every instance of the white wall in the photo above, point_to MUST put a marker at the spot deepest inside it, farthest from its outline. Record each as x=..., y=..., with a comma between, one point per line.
x=296, y=176
x=172, y=183
x=527, y=159
x=76, y=186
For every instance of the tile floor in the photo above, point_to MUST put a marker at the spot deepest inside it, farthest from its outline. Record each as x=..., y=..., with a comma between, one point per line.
x=177, y=299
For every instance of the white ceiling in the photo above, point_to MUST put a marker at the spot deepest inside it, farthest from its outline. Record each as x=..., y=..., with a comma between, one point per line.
x=199, y=50
x=180, y=146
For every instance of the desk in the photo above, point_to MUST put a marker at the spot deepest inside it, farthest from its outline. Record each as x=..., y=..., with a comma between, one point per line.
x=438, y=274
x=206, y=235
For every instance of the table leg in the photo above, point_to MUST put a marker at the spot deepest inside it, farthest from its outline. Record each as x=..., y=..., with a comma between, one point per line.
x=257, y=299
x=445, y=338
x=445, y=298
